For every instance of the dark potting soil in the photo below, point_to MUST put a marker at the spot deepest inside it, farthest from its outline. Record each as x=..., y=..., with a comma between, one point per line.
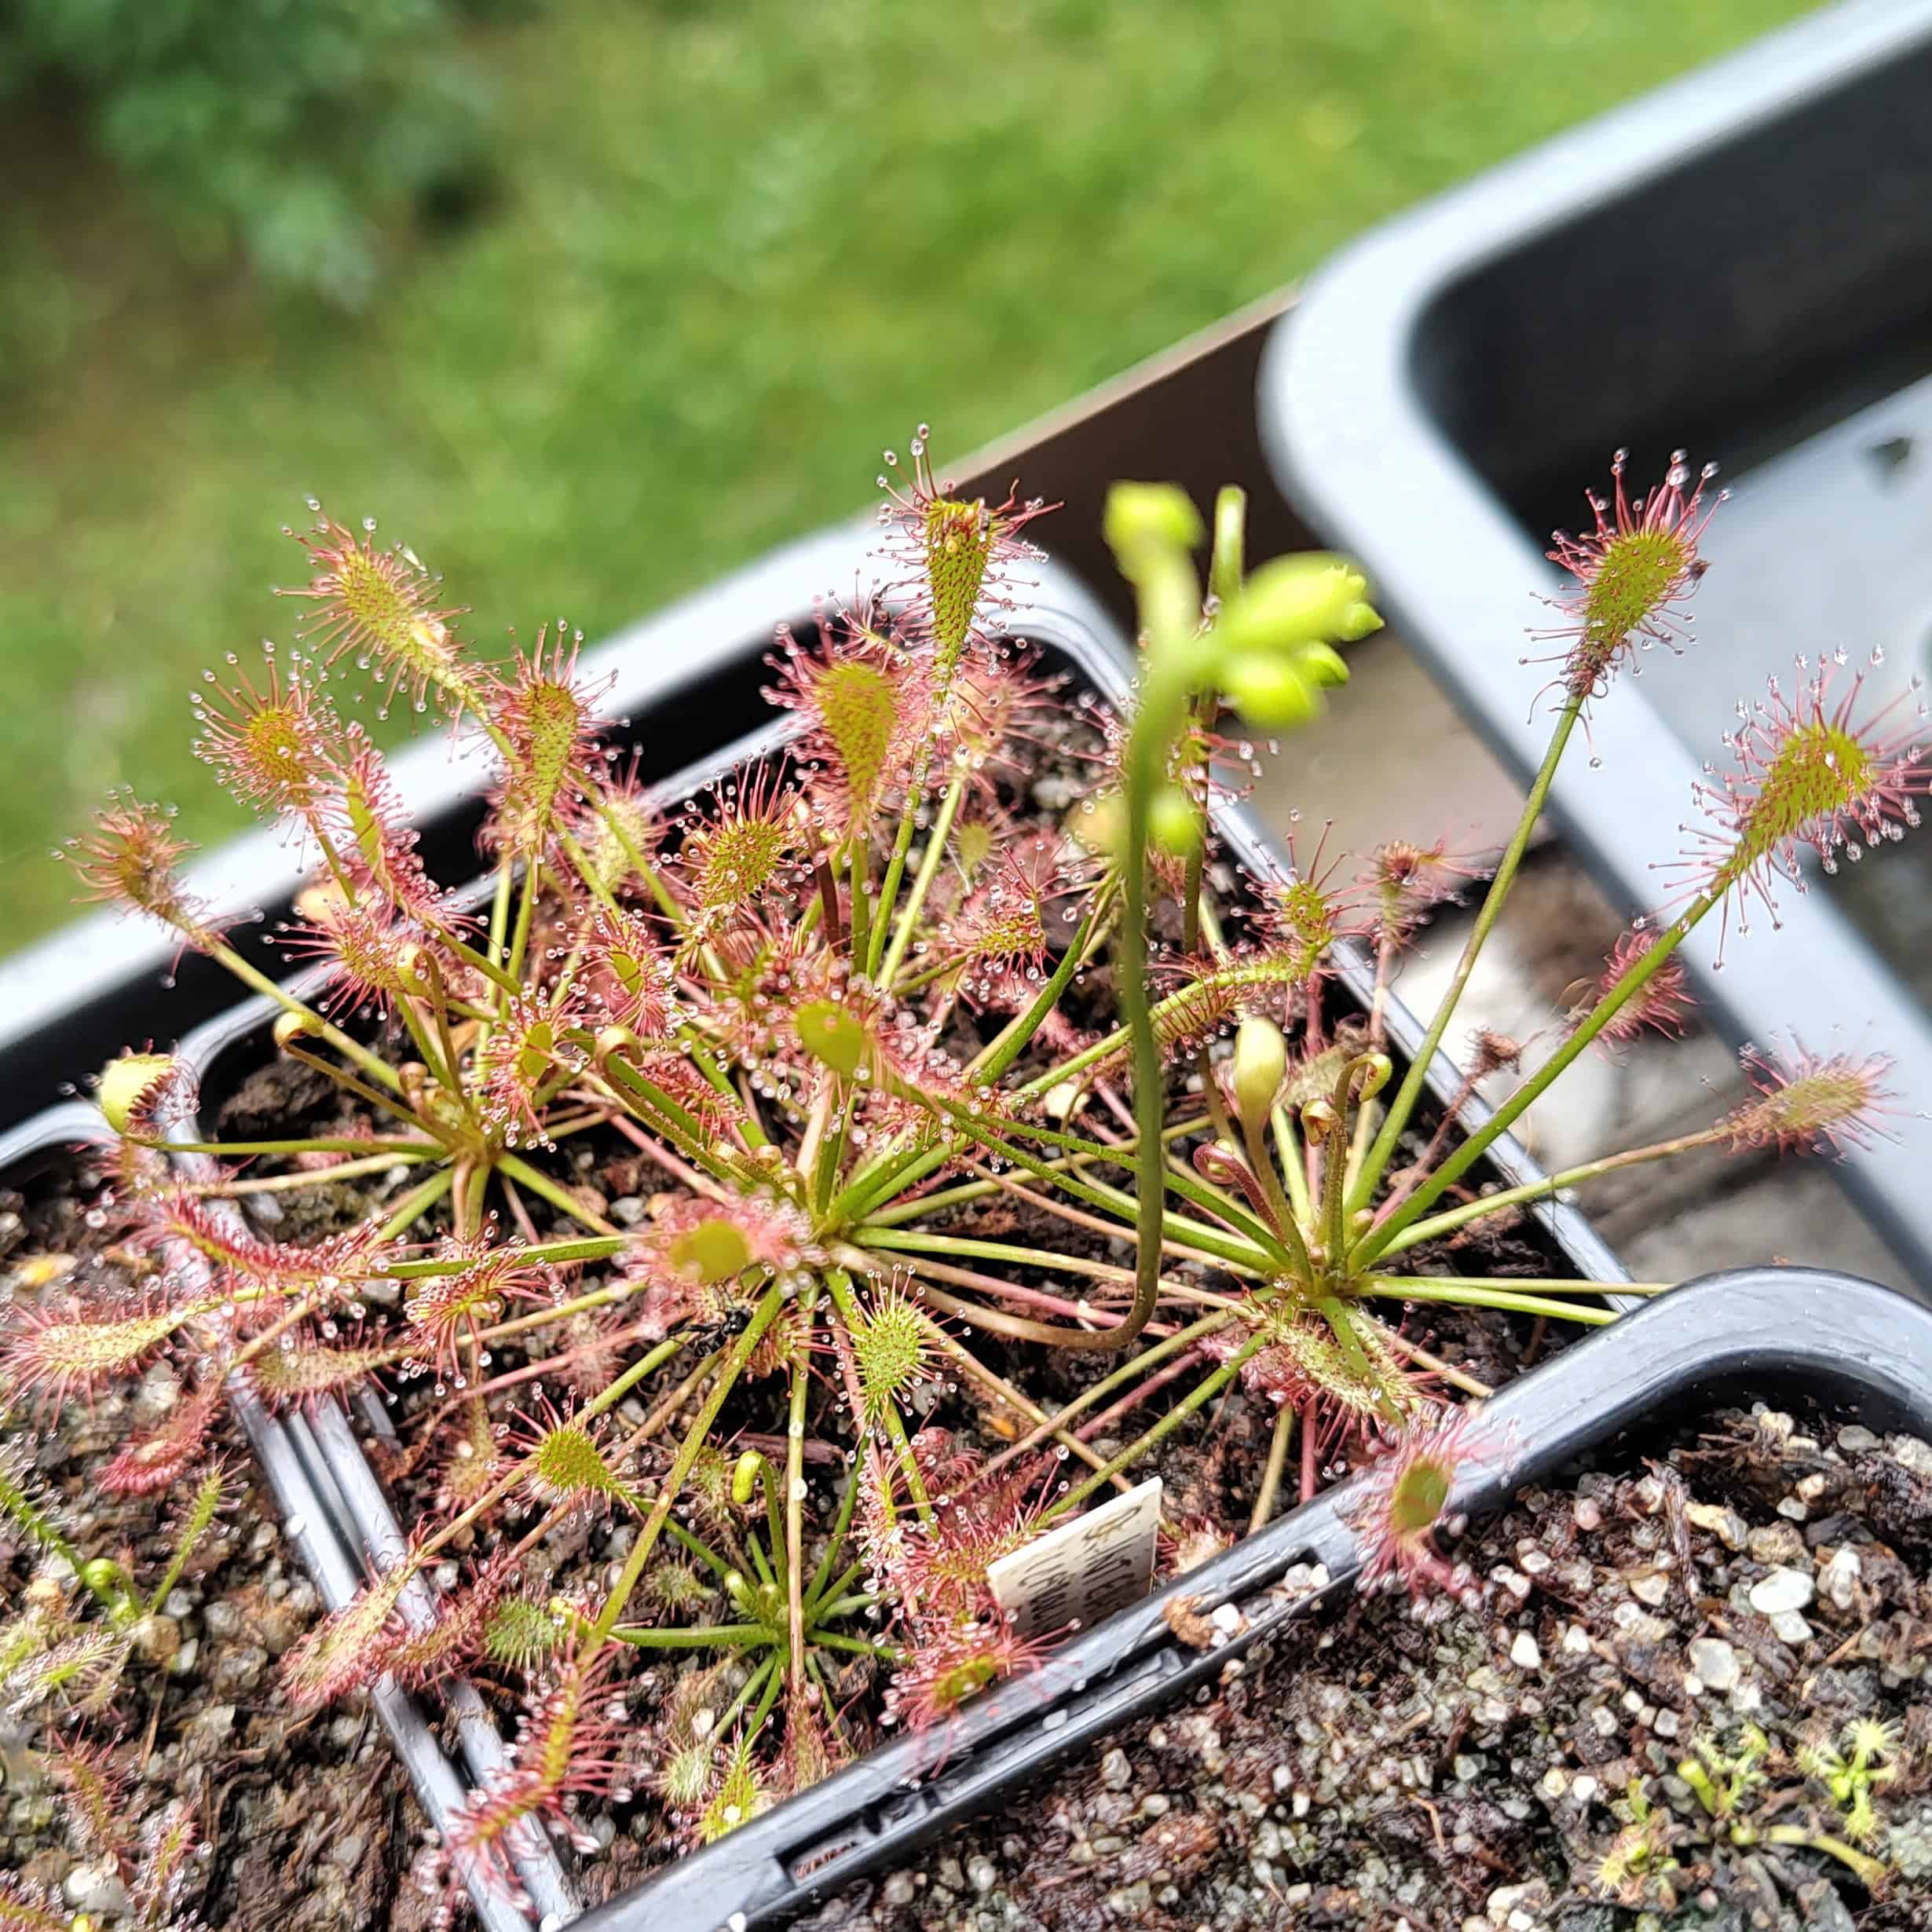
x=304, y=1823
x=1736, y=1604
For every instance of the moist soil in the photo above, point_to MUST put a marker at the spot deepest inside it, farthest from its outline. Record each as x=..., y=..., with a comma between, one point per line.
x=305, y=1823
x=1440, y=1768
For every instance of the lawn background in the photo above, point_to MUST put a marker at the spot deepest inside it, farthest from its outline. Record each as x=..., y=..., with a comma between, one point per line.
x=733, y=251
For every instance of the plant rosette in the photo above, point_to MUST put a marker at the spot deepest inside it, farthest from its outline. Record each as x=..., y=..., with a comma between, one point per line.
x=763, y=1210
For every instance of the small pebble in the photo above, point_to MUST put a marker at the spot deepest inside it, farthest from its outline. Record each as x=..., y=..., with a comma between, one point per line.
x=1855, y=1440
x=1524, y=1652
x=1838, y=1579
x=1715, y=1663
x=1587, y=1515
x=1729, y=1528
x=1782, y=1589
x=95, y=1888
x=1790, y=1627
x=1116, y=1772
x=1776, y=1543
x=1652, y=1588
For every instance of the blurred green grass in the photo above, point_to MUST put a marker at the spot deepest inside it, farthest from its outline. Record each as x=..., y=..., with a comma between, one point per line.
x=735, y=250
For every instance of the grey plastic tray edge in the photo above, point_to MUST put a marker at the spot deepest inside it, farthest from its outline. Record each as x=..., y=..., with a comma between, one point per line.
x=1357, y=456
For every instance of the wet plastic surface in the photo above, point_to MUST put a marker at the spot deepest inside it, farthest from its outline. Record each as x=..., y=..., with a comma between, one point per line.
x=1738, y=265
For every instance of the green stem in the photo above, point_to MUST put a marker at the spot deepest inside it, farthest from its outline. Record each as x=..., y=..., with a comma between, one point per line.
x=648, y=873
x=764, y=1675
x=858, y=1646
x=1404, y=1105
x=1635, y=979
x=902, y=838
x=327, y=1144
x=526, y=910
x=692, y=1636
x=1872, y=1872
x=1197, y=1398
x=1264, y=1169
x=994, y=1059
x=499, y=918
x=416, y=1203
x=372, y=1064
x=1468, y=1294
x=841, y=1523
x=740, y=1353
x=922, y=882
x=294, y=1183
x=858, y=866
x=541, y=1184
x=795, y=1499
x=1091, y=1396
x=962, y=1191
x=1277, y=1462
x=1446, y=1222
x=909, y=1241
x=841, y=1605
x=1288, y=1144
x=555, y=1253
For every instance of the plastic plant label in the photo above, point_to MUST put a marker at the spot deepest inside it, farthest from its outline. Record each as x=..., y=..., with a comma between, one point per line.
x=1084, y=1570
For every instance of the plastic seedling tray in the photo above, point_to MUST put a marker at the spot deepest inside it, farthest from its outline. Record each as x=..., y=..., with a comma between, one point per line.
x=1756, y=1330
x=328, y=1542
x=1075, y=637
x=1739, y=264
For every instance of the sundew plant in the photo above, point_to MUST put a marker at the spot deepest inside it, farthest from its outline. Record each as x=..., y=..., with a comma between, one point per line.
x=974, y=1115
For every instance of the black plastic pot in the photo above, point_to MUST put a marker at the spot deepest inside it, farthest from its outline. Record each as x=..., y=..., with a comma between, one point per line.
x=1075, y=637
x=1761, y=1331
x=1739, y=264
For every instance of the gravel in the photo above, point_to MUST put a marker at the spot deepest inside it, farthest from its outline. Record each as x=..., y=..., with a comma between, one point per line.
x=1466, y=1772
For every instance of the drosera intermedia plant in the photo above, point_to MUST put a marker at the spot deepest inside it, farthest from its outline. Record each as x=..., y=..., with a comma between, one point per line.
x=54, y=1654
x=903, y=1051
x=1308, y=1142
x=1745, y=1794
